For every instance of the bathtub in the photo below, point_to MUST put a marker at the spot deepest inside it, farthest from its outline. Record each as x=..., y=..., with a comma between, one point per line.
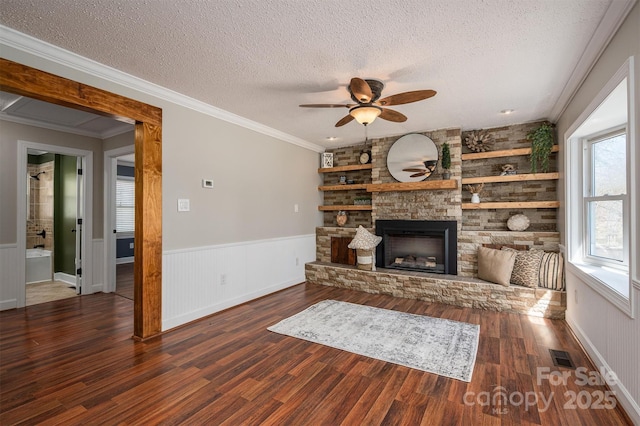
x=38, y=266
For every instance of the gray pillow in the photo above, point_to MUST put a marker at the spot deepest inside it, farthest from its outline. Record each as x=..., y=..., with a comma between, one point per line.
x=495, y=265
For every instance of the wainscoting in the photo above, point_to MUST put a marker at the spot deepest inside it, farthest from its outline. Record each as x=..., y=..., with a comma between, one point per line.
x=9, y=276
x=11, y=261
x=201, y=281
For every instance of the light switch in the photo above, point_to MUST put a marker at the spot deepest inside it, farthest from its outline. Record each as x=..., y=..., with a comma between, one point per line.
x=183, y=205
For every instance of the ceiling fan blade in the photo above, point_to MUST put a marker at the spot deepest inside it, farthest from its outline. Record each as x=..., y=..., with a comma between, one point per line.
x=414, y=170
x=360, y=90
x=391, y=115
x=419, y=174
x=407, y=97
x=326, y=106
x=346, y=119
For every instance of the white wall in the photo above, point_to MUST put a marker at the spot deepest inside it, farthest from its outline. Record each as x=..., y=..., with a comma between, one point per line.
x=611, y=337
x=258, y=176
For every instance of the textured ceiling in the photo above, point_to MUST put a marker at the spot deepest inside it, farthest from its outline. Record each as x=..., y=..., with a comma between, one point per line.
x=260, y=59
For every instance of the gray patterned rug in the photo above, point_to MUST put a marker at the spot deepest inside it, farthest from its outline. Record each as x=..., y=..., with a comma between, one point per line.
x=435, y=345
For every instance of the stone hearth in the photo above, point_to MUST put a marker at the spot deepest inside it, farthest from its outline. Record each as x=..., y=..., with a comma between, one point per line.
x=449, y=289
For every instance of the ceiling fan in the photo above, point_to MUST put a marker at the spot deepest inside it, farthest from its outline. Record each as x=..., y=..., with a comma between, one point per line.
x=430, y=166
x=369, y=106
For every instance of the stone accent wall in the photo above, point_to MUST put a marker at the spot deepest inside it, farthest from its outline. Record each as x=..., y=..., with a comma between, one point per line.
x=475, y=227
x=342, y=157
x=323, y=240
x=469, y=241
x=509, y=137
x=418, y=205
x=447, y=289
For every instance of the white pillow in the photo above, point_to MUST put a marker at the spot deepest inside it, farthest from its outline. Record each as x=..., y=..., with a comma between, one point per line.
x=364, y=240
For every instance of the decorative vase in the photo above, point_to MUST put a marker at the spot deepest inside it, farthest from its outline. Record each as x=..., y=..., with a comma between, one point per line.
x=518, y=222
x=475, y=198
x=341, y=218
x=446, y=174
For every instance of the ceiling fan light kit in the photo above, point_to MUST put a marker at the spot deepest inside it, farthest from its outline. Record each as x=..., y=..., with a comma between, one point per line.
x=365, y=114
x=366, y=93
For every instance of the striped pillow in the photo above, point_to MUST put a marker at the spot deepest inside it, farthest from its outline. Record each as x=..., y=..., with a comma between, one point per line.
x=551, y=271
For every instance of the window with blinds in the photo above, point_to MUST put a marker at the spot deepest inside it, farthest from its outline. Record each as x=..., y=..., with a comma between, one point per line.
x=125, y=204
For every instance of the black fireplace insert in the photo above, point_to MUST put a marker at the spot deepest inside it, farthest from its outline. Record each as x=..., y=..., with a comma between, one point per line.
x=418, y=245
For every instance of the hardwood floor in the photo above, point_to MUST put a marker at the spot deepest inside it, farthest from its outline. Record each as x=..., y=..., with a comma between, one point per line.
x=124, y=280
x=74, y=362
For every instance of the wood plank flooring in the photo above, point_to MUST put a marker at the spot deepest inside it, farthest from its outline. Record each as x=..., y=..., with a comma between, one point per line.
x=74, y=362
x=124, y=280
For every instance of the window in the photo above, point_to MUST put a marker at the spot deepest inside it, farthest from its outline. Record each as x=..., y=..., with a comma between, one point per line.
x=125, y=204
x=605, y=201
x=600, y=208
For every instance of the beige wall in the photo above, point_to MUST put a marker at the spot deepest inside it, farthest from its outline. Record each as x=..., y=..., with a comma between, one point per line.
x=257, y=178
x=119, y=141
x=10, y=133
x=257, y=181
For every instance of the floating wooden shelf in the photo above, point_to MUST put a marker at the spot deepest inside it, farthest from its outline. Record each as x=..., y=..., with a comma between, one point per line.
x=348, y=168
x=512, y=205
x=349, y=207
x=502, y=153
x=413, y=186
x=511, y=178
x=342, y=187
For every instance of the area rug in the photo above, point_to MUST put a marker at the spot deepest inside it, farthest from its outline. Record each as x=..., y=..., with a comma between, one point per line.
x=435, y=345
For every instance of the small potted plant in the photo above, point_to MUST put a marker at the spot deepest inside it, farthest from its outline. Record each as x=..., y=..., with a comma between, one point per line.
x=541, y=146
x=446, y=161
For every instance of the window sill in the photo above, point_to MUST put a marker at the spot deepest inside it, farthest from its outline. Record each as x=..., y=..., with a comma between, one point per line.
x=611, y=284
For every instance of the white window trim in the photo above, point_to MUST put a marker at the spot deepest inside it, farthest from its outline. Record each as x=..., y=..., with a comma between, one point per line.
x=599, y=279
x=124, y=234
x=590, y=259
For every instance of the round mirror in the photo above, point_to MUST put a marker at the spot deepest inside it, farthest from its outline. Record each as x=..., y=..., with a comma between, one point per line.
x=412, y=158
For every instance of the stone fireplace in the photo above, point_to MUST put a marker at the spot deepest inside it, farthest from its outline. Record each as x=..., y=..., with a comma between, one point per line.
x=418, y=245
x=405, y=262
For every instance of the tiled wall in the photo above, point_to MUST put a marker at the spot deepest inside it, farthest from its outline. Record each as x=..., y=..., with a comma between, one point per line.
x=40, y=205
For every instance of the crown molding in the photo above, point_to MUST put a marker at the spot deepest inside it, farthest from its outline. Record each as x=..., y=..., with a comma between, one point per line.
x=611, y=21
x=25, y=43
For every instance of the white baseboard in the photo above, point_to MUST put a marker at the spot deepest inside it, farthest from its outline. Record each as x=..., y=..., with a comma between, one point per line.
x=65, y=278
x=622, y=394
x=8, y=304
x=122, y=260
x=209, y=310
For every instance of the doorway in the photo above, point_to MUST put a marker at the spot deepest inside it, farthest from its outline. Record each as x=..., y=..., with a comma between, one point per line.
x=27, y=81
x=119, y=231
x=53, y=229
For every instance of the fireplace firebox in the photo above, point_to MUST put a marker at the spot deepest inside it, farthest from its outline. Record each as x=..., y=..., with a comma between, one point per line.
x=418, y=245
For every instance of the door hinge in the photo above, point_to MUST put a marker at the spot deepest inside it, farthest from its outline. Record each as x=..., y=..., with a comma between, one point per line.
x=79, y=221
x=79, y=172
x=79, y=272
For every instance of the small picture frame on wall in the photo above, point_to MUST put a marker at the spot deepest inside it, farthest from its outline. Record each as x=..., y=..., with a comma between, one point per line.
x=327, y=159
